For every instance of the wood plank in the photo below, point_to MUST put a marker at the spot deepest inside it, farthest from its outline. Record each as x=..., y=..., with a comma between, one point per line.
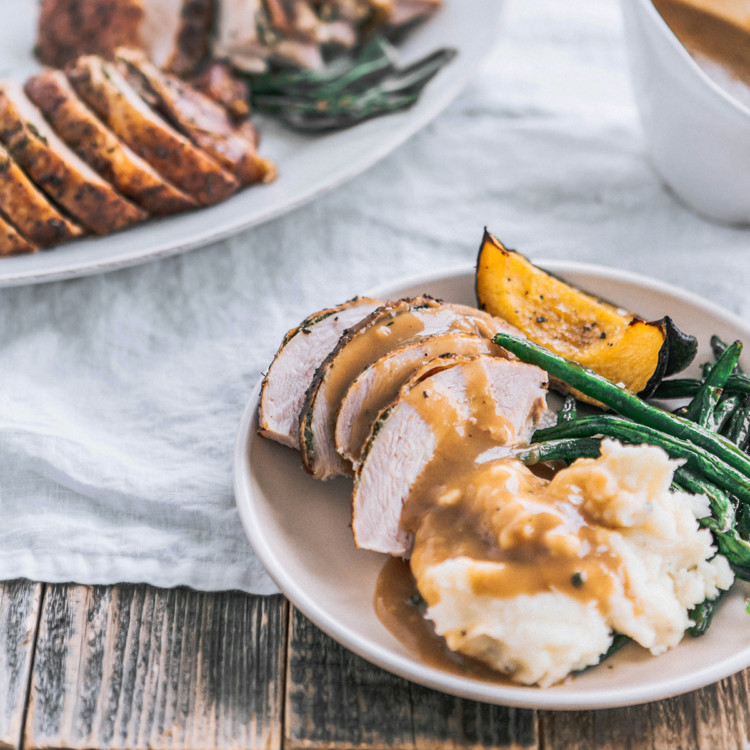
x=338, y=700
x=19, y=616
x=715, y=718
x=130, y=667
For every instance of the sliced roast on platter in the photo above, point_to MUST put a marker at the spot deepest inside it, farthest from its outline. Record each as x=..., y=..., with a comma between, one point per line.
x=291, y=373
x=57, y=170
x=69, y=28
x=451, y=407
x=176, y=34
x=30, y=211
x=182, y=35
x=97, y=145
x=376, y=386
x=11, y=242
x=101, y=85
x=392, y=325
x=206, y=122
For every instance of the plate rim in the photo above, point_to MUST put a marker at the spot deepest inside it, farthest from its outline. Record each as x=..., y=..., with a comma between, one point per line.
x=518, y=696
x=418, y=117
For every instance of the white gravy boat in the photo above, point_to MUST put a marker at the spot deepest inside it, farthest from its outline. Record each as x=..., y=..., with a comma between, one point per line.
x=698, y=135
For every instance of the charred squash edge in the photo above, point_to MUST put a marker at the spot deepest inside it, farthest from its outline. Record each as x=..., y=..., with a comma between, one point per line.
x=675, y=354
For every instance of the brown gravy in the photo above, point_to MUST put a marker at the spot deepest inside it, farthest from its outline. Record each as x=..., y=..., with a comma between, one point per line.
x=397, y=607
x=390, y=330
x=715, y=29
x=461, y=507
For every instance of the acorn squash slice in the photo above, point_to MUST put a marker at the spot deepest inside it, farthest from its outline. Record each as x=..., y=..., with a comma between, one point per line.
x=568, y=321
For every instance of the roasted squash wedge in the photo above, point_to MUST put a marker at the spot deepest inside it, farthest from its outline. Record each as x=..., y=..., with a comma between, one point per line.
x=615, y=343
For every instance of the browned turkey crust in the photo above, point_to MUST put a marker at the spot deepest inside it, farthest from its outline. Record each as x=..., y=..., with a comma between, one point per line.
x=390, y=326
x=115, y=101
x=66, y=178
x=33, y=214
x=99, y=147
x=11, y=242
x=291, y=372
x=193, y=43
x=176, y=34
x=200, y=118
x=69, y=28
x=216, y=80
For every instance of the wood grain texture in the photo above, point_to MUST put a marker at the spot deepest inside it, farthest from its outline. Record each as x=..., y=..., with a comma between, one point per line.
x=337, y=700
x=19, y=616
x=133, y=667
x=715, y=718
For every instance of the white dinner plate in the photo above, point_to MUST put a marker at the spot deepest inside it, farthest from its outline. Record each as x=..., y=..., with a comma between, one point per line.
x=299, y=528
x=308, y=165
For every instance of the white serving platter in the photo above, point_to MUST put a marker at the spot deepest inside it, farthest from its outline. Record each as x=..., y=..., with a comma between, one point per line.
x=308, y=165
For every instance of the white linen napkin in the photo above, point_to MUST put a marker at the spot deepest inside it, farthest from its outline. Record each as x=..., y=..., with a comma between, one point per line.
x=120, y=394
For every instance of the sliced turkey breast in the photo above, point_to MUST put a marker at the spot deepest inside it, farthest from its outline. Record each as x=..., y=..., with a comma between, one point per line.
x=200, y=118
x=11, y=242
x=99, y=147
x=33, y=214
x=193, y=37
x=389, y=327
x=236, y=35
x=176, y=34
x=162, y=20
x=378, y=384
x=106, y=91
x=451, y=411
x=69, y=28
x=57, y=170
x=216, y=80
x=291, y=372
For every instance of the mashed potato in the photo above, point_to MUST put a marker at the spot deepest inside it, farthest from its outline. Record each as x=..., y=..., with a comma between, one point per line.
x=552, y=569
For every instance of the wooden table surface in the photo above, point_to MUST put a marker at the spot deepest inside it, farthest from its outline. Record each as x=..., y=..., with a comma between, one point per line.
x=132, y=666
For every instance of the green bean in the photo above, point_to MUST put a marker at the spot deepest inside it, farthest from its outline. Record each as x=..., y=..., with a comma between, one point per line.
x=559, y=450
x=350, y=90
x=717, y=347
x=737, y=552
x=701, y=408
x=738, y=383
x=738, y=428
x=677, y=388
x=702, y=614
x=697, y=459
x=723, y=413
x=687, y=387
x=722, y=523
x=742, y=526
x=628, y=404
x=722, y=509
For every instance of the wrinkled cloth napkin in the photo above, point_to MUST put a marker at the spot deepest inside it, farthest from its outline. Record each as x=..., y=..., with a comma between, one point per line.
x=120, y=394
